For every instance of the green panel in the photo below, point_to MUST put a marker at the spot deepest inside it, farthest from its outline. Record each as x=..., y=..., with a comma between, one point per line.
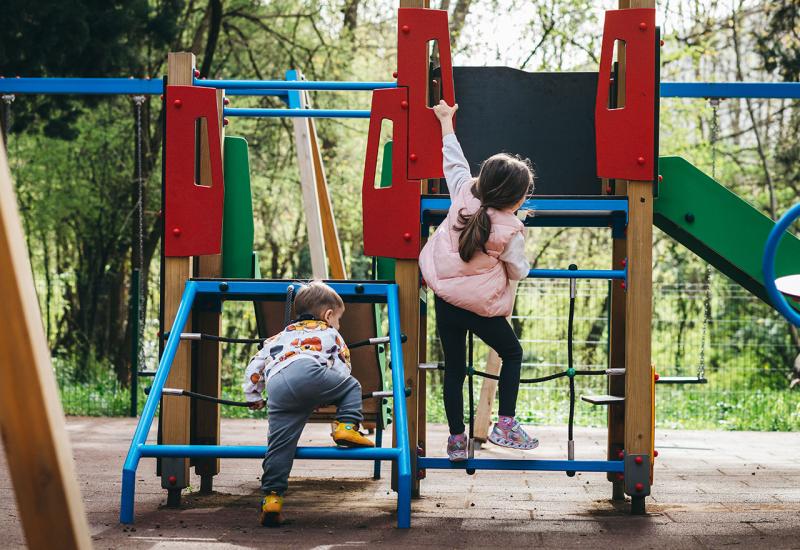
x=727, y=232
x=385, y=271
x=237, y=219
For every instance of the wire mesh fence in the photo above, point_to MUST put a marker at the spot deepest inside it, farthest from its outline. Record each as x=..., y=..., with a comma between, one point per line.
x=749, y=355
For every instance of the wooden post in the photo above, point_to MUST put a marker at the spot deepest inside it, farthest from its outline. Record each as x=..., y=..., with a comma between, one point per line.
x=208, y=358
x=639, y=313
x=311, y=199
x=175, y=412
x=31, y=417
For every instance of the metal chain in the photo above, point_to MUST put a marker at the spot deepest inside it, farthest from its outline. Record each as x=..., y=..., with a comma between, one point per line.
x=138, y=101
x=701, y=369
x=287, y=313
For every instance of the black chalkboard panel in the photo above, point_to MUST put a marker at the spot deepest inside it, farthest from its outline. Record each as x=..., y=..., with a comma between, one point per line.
x=547, y=117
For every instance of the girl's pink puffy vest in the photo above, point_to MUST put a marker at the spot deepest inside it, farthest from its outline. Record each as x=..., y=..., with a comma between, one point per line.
x=480, y=285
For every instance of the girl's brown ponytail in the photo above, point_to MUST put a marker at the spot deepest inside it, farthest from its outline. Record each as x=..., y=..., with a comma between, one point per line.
x=475, y=231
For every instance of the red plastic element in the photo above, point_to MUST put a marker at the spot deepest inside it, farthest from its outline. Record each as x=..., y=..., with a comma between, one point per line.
x=656, y=376
x=161, y=97
x=172, y=480
x=626, y=134
x=620, y=477
x=226, y=101
x=413, y=157
x=661, y=42
x=224, y=121
x=608, y=189
x=177, y=103
x=642, y=26
x=195, y=209
x=639, y=487
x=638, y=460
x=176, y=231
x=404, y=104
x=622, y=285
x=406, y=29
x=391, y=214
x=621, y=455
x=394, y=74
x=640, y=160
x=660, y=178
x=655, y=453
x=412, y=70
x=623, y=262
x=196, y=73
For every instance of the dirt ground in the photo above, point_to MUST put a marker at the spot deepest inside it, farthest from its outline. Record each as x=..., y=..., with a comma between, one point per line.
x=712, y=490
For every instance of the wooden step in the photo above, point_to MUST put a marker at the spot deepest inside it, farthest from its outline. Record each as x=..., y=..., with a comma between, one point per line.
x=602, y=399
x=615, y=372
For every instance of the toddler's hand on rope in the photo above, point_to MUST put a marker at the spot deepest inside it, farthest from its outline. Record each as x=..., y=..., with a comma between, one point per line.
x=257, y=405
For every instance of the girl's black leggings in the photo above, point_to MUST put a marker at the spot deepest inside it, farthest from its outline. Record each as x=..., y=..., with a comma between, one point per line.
x=453, y=323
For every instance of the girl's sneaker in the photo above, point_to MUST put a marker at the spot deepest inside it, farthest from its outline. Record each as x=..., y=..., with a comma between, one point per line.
x=457, y=447
x=508, y=432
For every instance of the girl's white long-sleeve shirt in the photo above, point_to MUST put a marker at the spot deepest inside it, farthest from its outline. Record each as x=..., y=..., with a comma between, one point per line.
x=456, y=173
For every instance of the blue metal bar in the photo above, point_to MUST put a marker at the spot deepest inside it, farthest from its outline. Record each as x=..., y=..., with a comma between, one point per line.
x=577, y=274
x=768, y=265
x=319, y=85
x=239, y=289
x=537, y=204
x=530, y=465
x=258, y=451
x=246, y=92
x=297, y=113
x=773, y=90
x=145, y=421
x=82, y=86
x=400, y=415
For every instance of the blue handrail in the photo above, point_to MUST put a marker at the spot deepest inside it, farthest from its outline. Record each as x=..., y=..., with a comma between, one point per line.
x=768, y=265
x=577, y=274
x=318, y=85
x=298, y=113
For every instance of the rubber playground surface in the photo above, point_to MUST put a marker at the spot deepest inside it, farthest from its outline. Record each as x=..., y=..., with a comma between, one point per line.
x=712, y=490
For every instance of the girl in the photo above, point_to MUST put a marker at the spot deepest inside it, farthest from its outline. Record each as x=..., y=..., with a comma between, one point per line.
x=468, y=264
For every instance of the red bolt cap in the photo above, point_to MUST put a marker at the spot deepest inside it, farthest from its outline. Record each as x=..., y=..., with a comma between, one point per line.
x=224, y=121
x=226, y=101
x=620, y=476
x=638, y=460
x=177, y=103
x=640, y=160
x=639, y=487
x=642, y=26
x=622, y=285
x=407, y=236
x=660, y=177
x=661, y=42
x=621, y=455
x=406, y=29
x=196, y=73
x=413, y=157
x=608, y=189
x=172, y=480
x=655, y=453
x=623, y=262
x=394, y=74
x=176, y=231
x=656, y=376
x=404, y=104
x=161, y=97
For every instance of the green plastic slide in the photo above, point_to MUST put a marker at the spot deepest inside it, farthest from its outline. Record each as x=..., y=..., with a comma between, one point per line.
x=718, y=225
x=237, y=218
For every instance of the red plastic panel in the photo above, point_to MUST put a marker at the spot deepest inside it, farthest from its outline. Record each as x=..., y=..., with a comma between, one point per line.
x=192, y=213
x=416, y=27
x=625, y=136
x=391, y=214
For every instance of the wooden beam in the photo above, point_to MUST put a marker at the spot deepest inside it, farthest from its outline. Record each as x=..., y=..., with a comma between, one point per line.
x=330, y=234
x=175, y=413
x=31, y=418
x=311, y=203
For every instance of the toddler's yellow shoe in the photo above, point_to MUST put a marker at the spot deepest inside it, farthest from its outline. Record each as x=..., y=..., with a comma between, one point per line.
x=270, y=515
x=346, y=434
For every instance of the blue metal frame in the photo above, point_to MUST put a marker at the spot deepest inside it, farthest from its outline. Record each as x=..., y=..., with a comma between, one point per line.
x=621, y=274
x=247, y=289
x=773, y=90
x=530, y=465
x=153, y=86
x=768, y=265
x=300, y=113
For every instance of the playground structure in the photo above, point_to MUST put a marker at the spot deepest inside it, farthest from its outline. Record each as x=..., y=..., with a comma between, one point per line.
x=614, y=180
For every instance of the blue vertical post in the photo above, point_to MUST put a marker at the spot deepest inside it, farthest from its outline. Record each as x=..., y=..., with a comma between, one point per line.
x=400, y=414
x=294, y=99
x=145, y=421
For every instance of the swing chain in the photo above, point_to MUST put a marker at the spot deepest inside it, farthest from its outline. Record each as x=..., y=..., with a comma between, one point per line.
x=701, y=370
x=138, y=101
